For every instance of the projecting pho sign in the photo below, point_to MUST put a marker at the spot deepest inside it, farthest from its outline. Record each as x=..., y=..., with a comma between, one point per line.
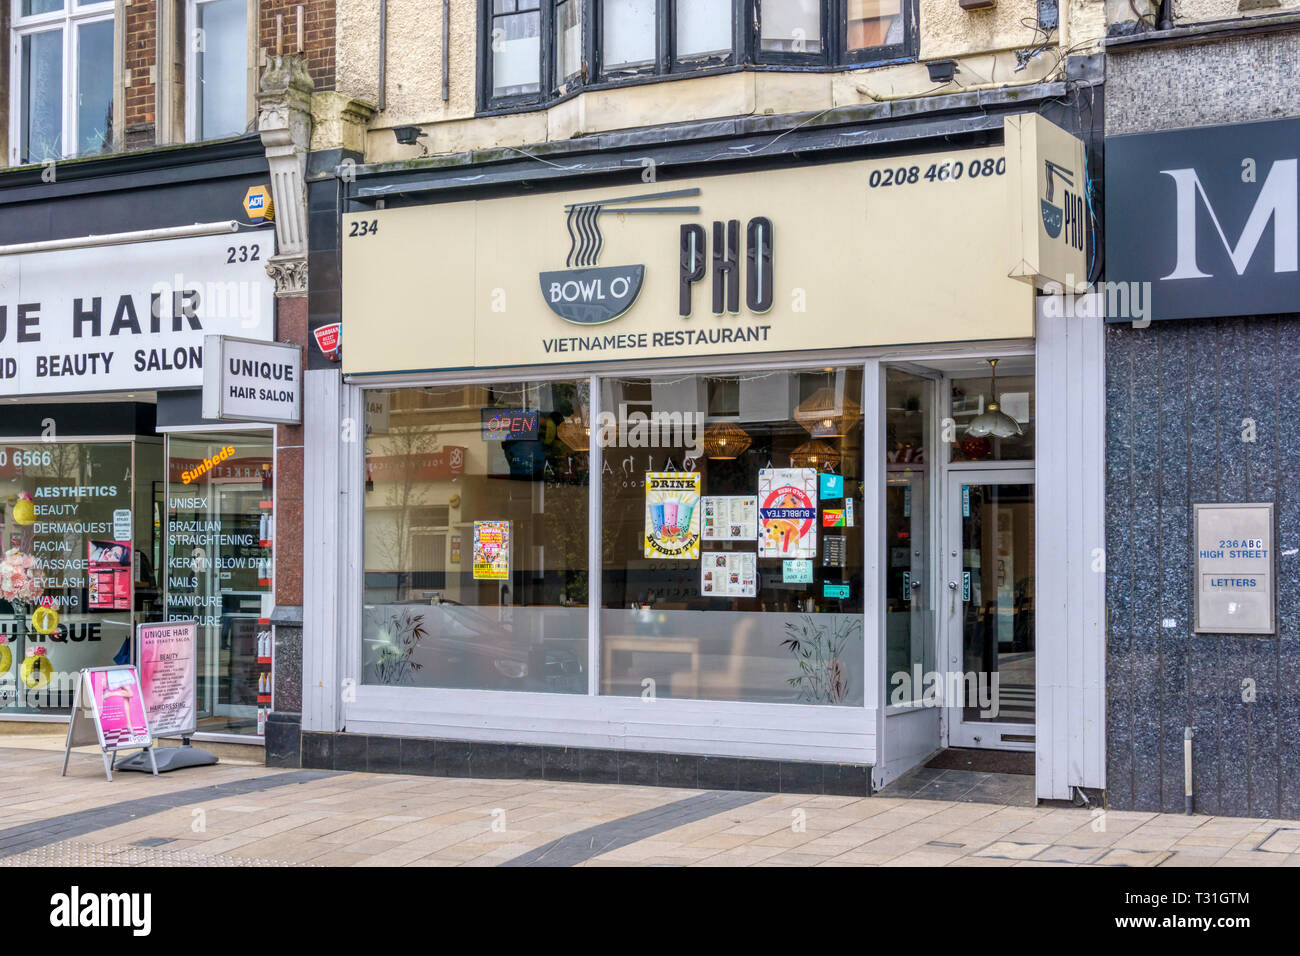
x=250, y=381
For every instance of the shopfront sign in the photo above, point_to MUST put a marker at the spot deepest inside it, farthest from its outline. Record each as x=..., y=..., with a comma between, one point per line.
x=1207, y=218
x=128, y=317
x=1235, y=582
x=840, y=255
x=1050, y=224
x=250, y=381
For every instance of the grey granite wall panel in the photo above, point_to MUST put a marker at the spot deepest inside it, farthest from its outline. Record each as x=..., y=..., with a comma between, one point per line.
x=1119, y=571
x=1238, y=80
x=1177, y=394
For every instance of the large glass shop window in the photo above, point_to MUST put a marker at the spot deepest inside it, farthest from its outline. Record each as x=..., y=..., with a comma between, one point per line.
x=220, y=534
x=476, y=529
x=78, y=539
x=731, y=521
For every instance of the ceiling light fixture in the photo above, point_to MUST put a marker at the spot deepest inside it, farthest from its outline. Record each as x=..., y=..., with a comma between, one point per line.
x=994, y=421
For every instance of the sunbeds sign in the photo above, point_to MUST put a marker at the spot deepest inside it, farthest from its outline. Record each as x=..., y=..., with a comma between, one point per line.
x=126, y=317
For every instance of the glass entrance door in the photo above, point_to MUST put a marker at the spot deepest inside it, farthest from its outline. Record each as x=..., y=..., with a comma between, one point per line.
x=990, y=598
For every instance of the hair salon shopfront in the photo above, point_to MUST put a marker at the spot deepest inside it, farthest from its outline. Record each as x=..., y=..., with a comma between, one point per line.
x=121, y=504
x=746, y=477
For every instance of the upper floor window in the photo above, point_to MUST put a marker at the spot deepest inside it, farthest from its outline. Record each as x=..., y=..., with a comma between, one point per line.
x=216, y=65
x=540, y=49
x=62, y=79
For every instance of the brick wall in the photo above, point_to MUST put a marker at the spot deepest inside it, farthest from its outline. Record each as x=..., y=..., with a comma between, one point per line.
x=141, y=54
x=318, y=34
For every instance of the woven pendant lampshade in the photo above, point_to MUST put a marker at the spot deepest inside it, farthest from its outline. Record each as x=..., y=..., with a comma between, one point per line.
x=827, y=415
x=815, y=453
x=724, y=441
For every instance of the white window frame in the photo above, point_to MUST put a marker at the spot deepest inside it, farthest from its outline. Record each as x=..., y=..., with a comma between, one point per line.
x=192, y=133
x=68, y=19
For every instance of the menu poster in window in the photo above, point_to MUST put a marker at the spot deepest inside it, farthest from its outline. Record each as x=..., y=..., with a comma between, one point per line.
x=729, y=574
x=787, y=512
x=730, y=518
x=108, y=572
x=492, y=550
x=672, y=520
x=833, y=551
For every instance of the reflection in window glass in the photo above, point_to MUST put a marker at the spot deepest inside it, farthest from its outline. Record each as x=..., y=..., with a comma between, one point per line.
x=220, y=532
x=791, y=26
x=42, y=96
x=874, y=23
x=221, y=64
x=516, y=47
x=989, y=429
x=94, y=86
x=732, y=548
x=69, y=538
x=568, y=40
x=627, y=34
x=909, y=619
x=34, y=7
x=476, y=535
x=703, y=28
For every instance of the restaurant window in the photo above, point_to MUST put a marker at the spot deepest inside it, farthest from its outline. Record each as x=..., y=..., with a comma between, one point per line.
x=476, y=537
x=732, y=546
x=216, y=68
x=220, y=535
x=62, y=78
x=993, y=414
x=79, y=538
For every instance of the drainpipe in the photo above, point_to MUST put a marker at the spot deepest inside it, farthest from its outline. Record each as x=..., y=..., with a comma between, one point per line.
x=446, y=51
x=1187, y=768
x=383, y=52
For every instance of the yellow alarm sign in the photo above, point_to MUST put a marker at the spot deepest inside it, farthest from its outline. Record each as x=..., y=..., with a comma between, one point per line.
x=258, y=204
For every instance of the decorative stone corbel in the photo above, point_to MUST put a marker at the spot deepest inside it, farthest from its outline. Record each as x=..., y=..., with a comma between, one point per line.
x=284, y=120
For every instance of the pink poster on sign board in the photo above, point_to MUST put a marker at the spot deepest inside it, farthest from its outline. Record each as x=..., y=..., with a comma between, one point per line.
x=119, y=708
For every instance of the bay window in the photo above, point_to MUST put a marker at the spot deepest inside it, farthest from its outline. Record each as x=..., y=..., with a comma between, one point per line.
x=62, y=79
x=538, y=50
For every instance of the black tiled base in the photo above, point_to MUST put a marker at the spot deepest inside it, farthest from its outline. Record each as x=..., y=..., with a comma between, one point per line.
x=283, y=740
x=462, y=758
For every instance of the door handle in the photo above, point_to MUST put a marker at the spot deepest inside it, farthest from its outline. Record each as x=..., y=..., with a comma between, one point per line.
x=952, y=585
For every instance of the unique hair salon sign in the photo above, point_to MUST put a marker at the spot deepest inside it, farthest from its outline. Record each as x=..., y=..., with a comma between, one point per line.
x=127, y=317
x=248, y=381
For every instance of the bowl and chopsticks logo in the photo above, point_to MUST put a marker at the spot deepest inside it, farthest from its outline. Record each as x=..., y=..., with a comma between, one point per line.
x=588, y=294
x=1054, y=215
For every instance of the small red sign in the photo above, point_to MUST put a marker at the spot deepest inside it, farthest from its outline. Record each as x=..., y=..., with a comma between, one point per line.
x=327, y=339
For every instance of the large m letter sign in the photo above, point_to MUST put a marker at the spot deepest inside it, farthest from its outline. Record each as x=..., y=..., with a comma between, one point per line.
x=1277, y=200
x=1209, y=217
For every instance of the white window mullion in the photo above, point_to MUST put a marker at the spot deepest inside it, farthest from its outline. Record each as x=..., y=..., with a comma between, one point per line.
x=69, y=85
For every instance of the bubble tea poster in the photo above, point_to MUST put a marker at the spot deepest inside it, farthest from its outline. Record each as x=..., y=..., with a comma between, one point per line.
x=672, y=515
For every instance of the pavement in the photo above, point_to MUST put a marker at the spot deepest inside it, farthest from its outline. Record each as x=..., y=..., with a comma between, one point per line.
x=234, y=814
